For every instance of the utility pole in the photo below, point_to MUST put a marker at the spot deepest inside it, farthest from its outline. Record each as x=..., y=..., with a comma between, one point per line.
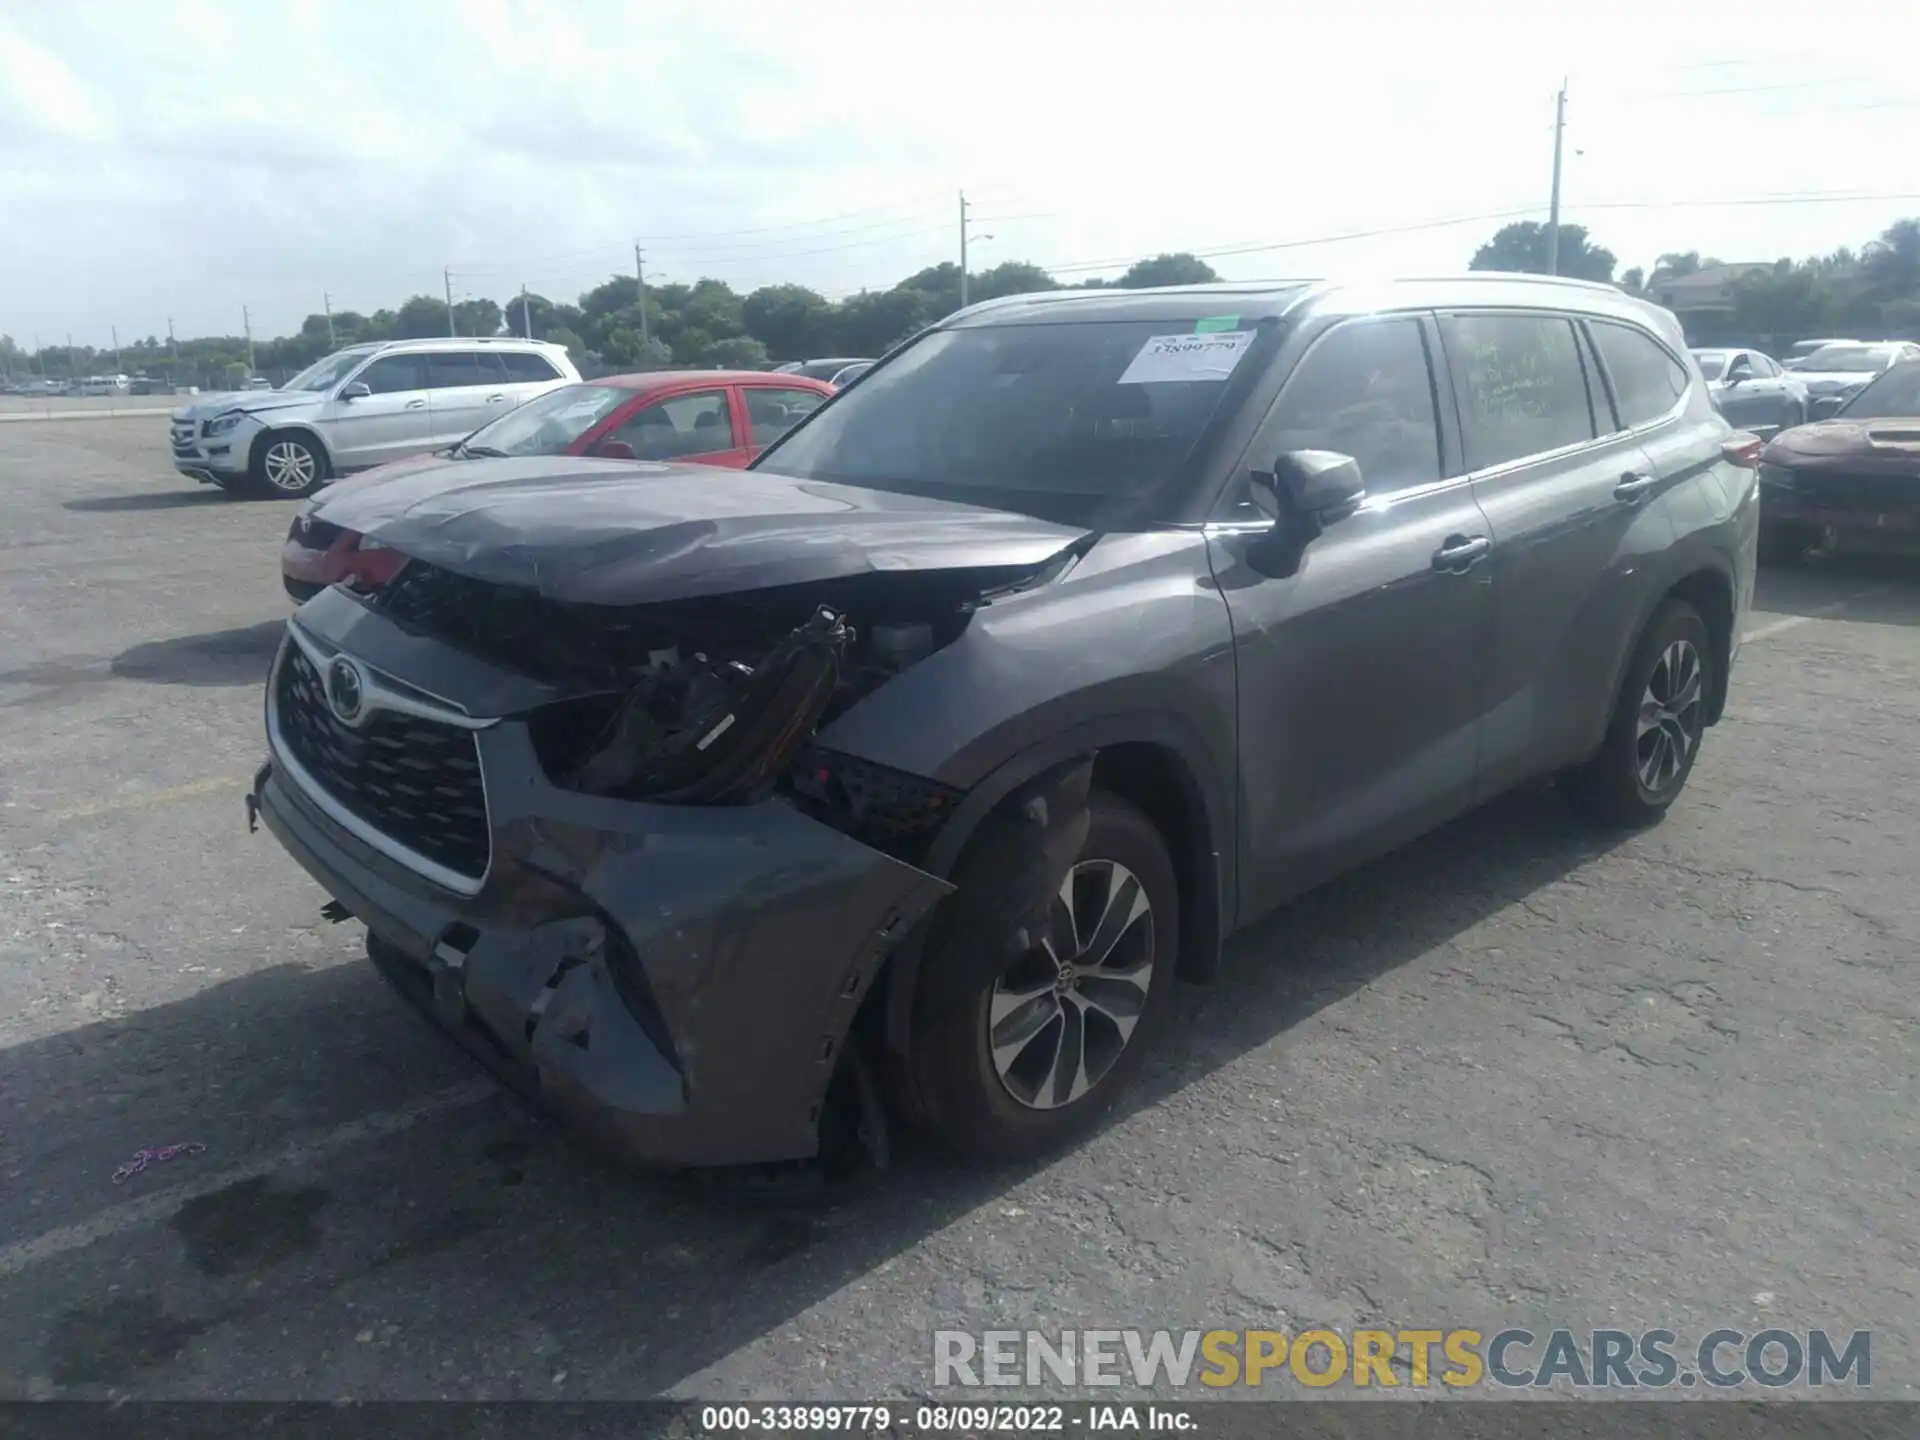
x=640, y=274
x=114, y=330
x=447, y=275
x=326, y=304
x=246, y=320
x=1553, y=209
x=526, y=314
x=963, y=249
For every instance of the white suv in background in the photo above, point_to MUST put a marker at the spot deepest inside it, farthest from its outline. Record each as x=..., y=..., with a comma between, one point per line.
x=360, y=407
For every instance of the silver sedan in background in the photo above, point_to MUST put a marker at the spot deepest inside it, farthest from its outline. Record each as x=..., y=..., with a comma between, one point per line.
x=1753, y=391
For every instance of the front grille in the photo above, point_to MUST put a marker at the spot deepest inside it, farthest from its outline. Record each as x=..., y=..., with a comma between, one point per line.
x=416, y=781
x=1841, y=487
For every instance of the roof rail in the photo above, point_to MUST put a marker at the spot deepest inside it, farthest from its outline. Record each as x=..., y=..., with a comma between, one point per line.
x=1508, y=276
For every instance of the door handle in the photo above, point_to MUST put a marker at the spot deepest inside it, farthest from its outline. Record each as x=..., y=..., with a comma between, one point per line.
x=1633, y=485
x=1456, y=557
x=416, y=405
x=495, y=399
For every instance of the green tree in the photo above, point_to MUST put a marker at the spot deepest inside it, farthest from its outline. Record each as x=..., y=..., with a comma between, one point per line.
x=1892, y=263
x=477, y=317
x=1522, y=248
x=1013, y=277
x=874, y=321
x=1634, y=279
x=737, y=352
x=1174, y=269
x=420, y=318
x=793, y=322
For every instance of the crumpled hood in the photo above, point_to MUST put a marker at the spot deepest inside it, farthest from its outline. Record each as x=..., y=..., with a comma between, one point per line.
x=205, y=407
x=1891, y=444
x=412, y=465
x=618, y=533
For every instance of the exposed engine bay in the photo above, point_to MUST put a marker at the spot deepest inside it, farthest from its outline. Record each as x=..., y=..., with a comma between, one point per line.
x=716, y=700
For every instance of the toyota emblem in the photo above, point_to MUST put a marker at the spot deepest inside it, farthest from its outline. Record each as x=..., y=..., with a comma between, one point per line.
x=346, y=690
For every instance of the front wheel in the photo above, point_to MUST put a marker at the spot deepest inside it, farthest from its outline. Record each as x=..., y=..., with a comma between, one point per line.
x=1658, y=723
x=1028, y=1049
x=287, y=465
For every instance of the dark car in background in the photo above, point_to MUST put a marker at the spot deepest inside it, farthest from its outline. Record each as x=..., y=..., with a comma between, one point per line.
x=1851, y=481
x=1835, y=373
x=705, y=417
x=910, y=766
x=820, y=369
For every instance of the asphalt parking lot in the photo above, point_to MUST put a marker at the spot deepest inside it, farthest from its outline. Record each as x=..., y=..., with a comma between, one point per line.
x=1515, y=1075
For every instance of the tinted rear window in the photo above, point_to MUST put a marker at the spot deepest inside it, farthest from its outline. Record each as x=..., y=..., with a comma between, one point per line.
x=1647, y=381
x=525, y=367
x=1075, y=422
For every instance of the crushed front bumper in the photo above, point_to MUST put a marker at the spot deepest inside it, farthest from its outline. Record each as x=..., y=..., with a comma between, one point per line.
x=676, y=982
x=1878, y=511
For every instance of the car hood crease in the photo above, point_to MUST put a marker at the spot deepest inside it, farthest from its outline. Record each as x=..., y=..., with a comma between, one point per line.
x=613, y=532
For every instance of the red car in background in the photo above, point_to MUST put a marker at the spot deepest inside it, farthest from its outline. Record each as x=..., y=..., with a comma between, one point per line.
x=703, y=417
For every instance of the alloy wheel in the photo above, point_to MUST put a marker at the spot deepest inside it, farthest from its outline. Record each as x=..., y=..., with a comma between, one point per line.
x=289, y=466
x=1671, y=711
x=1060, y=1017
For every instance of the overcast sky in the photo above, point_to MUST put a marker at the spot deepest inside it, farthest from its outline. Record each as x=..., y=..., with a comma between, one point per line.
x=186, y=157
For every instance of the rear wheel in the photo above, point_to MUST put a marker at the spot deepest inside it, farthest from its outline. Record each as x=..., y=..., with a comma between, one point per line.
x=287, y=465
x=1658, y=723
x=1025, y=1051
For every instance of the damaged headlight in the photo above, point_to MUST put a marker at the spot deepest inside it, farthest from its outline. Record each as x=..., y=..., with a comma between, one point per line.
x=221, y=424
x=716, y=732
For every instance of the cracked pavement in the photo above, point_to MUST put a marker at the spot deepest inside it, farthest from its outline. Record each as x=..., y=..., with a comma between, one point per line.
x=1516, y=1075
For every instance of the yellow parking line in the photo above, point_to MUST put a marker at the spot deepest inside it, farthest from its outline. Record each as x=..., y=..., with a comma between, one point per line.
x=148, y=798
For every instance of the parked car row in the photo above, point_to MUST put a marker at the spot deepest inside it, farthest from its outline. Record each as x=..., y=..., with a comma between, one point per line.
x=707, y=417
x=903, y=770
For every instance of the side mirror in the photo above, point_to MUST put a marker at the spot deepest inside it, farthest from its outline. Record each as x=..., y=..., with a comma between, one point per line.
x=1739, y=373
x=357, y=390
x=1826, y=407
x=614, y=450
x=1311, y=484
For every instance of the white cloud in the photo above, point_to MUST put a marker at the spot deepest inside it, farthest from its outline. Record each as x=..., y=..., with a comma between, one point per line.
x=184, y=160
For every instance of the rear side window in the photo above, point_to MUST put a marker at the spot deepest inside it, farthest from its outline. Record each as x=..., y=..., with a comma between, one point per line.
x=686, y=425
x=1522, y=388
x=460, y=369
x=773, y=412
x=1647, y=381
x=524, y=367
x=1364, y=390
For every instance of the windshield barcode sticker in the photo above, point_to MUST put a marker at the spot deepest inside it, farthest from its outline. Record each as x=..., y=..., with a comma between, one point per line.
x=1173, y=358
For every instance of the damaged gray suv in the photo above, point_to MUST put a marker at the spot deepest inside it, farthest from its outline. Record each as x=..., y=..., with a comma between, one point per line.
x=906, y=772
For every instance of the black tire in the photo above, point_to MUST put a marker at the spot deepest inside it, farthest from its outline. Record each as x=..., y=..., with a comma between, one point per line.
x=1612, y=788
x=1785, y=543
x=286, y=465
x=963, y=1100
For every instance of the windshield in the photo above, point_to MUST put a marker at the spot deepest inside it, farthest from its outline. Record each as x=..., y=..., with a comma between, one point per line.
x=1894, y=396
x=1847, y=360
x=1713, y=363
x=547, y=424
x=1073, y=423
x=327, y=373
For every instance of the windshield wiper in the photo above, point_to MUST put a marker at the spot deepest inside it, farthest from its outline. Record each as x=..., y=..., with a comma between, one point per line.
x=479, y=452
